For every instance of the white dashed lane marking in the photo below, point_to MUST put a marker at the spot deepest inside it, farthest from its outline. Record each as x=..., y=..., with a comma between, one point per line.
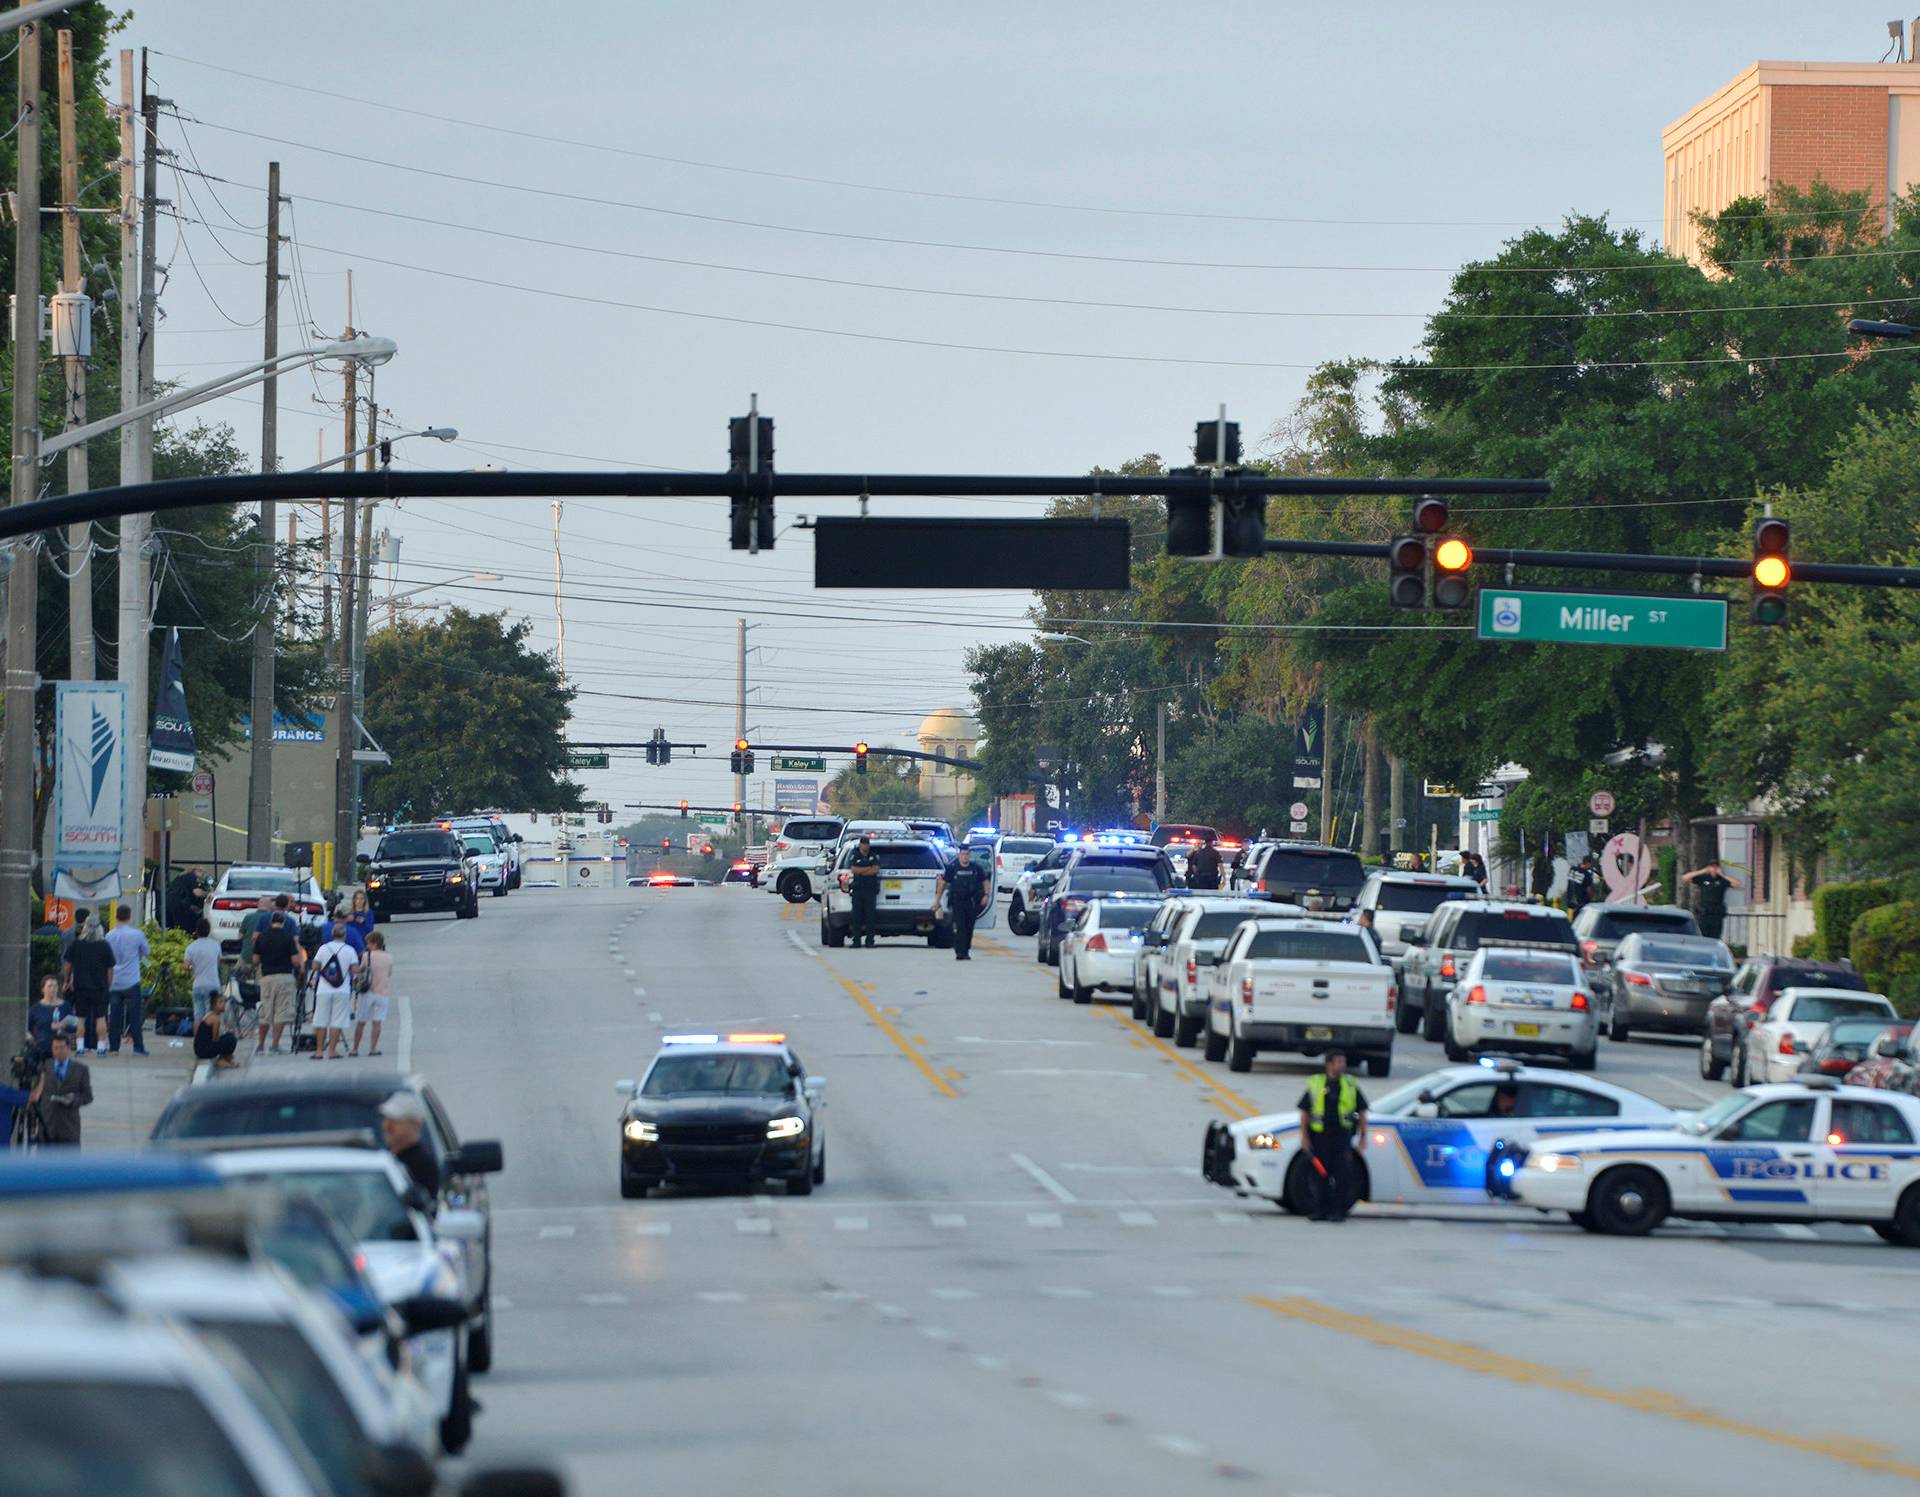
x=604, y=1301
x=654, y=1229
x=849, y=1224
x=754, y=1226
x=947, y=1220
x=557, y=1230
x=1043, y=1219
x=722, y=1297
x=1136, y=1219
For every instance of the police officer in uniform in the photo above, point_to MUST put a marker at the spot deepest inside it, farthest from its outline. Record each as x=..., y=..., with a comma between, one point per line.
x=1203, y=868
x=965, y=889
x=1333, y=1121
x=863, y=884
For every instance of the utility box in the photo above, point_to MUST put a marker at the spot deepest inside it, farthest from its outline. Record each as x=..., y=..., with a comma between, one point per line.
x=72, y=325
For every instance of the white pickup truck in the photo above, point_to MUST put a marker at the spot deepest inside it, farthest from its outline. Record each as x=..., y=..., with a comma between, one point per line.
x=1302, y=985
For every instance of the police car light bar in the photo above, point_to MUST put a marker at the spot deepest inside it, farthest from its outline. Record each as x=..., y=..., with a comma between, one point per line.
x=689, y=1039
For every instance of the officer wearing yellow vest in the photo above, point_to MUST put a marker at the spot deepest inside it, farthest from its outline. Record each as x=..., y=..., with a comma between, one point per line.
x=1333, y=1121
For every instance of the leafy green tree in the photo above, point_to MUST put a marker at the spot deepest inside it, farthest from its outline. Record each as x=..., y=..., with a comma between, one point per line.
x=890, y=787
x=470, y=716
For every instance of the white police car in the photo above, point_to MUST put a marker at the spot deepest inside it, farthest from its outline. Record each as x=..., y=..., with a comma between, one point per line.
x=1451, y=1138
x=1800, y=1151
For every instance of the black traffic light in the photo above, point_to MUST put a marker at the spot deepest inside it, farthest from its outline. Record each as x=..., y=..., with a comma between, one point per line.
x=1430, y=516
x=653, y=752
x=1772, y=571
x=605, y=814
x=1451, y=559
x=738, y=808
x=1407, y=572
x=666, y=752
x=1214, y=448
x=683, y=810
x=666, y=844
x=1189, y=520
x=750, y=451
x=740, y=761
x=1243, y=526
x=859, y=758
x=706, y=849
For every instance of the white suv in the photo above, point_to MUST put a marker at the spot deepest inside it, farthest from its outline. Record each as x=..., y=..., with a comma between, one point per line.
x=798, y=853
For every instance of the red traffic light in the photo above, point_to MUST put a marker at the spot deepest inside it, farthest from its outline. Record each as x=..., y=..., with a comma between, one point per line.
x=706, y=849
x=860, y=749
x=740, y=745
x=1430, y=515
x=738, y=808
x=666, y=844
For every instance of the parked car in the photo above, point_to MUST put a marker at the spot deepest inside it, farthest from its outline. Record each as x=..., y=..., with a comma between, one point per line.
x=1103, y=871
x=1300, y=985
x=1402, y=901
x=1096, y=954
x=1756, y=984
x=1664, y=982
x=1320, y=880
x=1014, y=854
x=797, y=855
x=910, y=869
x=1849, y=1044
x=1177, y=1003
x=1439, y=953
x=1600, y=928
x=1795, y=1023
x=1526, y=1001
x=1033, y=884
x=239, y=890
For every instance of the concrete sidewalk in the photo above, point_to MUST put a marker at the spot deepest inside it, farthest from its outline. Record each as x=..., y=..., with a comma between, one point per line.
x=130, y=1090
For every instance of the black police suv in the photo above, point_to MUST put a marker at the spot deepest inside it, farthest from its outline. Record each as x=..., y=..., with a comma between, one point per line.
x=722, y=1110
x=421, y=868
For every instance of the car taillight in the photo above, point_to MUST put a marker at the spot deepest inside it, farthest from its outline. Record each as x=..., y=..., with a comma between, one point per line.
x=1638, y=979
x=1579, y=1001
x=1446, y=966
x=1477, y=995
x=1193, y=970
x=998, y=861
x=1246, y=991
x=1393, y=997
x=1835, y=1064
x=232, y=904
x=1261, y=886
x=1786, y=1044
x=1097, y=942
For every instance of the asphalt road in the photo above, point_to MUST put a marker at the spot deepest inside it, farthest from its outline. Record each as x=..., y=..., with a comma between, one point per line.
x=1015, y=1277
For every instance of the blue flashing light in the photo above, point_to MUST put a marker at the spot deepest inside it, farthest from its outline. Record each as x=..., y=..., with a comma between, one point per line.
x=982, y=831
x=689, y=1039
x=1506, y=1169
x=1069, y=836
x=1487, y=1061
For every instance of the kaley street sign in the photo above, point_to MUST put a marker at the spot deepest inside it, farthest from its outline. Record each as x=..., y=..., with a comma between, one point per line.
x=1661, y=621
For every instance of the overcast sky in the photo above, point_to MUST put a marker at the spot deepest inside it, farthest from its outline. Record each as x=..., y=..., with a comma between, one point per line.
x=1380, y=144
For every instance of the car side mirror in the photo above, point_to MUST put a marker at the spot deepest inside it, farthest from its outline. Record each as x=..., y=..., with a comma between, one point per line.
x=431, y=1312
x=1427, y=1110
x=815, y=1088
x=461, y=1226
x=626, y=1087
x=399, y=1470
x=480, y=1156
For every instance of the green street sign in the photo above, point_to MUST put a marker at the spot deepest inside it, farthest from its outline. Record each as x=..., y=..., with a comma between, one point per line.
x=711, y=818
x=582, y=760
x=1484, y=813
x=1660, y=621
x=816, y=763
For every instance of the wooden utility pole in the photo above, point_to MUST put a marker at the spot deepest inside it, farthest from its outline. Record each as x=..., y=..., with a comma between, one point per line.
x=17, y=743
x=265, y=574
x=346, y=834
x=1326, y=768
x=73, y=280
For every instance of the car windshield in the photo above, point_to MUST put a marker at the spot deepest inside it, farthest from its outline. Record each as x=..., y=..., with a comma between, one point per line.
x=364, y=1202
x=260, y=881
x=1217, y=925
x=1309, y=946
x=1417, y=899
x=1855, y=1036
x=901, y=856
x=1173, y=831
x=1312, y=870
x=476, y=843
x=1696, y=953
x=1514, y=966
x=810, y=831
x=1614, y=924
x=245, y=1116
x=1026, y=846
x=1126, y=916
x=45, y=1449
x=728, y=1075
x=414, y=845
x=1718, y=1113
x=291, y=1373
x=1512, y=928
x=1826, y=1010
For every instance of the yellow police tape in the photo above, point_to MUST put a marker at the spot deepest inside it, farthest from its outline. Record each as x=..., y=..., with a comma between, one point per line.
x=1858, y=1454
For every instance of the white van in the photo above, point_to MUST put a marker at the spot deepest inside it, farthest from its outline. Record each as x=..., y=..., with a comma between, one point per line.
x=797, y=853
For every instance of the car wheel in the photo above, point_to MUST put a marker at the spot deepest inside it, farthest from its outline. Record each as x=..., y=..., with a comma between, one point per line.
x=380, y=917
x=794, y=888
x=1906, y=1218
x=480, y=1338
x=801, y=1184
x=1379, y=1066
x=1214, y=1047
x=1162, y=1021
x=1186, y=1030
x=1139, y=1009
x=632, y=1189
x=1616, y=1024
x=1017, y=917
x=1886, y=1233
x=499, y=893
x=1628, y=1202
x=1405, y=1016
x=830, y=934
x=820, y=1167
x=1079, y=994
x=1296, y=1195
x=1060, y=987
x=456, y=1429
x=1740, y=1065
x=1583, y=1220
x=1584, y=1060
x=1710, y=1069
x=1455, y=1052
x=1433, y=1019
x=1240, y=1054
x=1052, y=957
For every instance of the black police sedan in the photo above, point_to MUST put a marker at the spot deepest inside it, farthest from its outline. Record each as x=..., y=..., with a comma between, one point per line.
x=722, y=1110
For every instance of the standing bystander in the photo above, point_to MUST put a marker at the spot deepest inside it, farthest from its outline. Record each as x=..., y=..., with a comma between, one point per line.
x=202, y=964
x=63, y=1088
x=333, y=965
x=371, y=1006
x=126, y=999
x=279, y=957
x=89, y=976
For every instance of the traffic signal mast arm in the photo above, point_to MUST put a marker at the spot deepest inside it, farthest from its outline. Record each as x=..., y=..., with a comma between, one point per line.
x=793, y=748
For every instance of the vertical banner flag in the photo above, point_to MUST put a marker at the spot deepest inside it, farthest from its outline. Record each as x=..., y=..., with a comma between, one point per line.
x=171, y=742
x=1309, y=744
x=89, y=787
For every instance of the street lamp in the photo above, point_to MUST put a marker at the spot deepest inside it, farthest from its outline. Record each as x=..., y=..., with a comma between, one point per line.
x=393, y=599
x=438, y=433
x=1058, y=639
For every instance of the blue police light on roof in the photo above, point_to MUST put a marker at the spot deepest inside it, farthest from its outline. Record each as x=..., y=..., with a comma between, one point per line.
x=1506, y=1169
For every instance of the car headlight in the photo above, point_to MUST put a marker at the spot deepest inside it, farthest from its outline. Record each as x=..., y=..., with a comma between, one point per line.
x=456, y=878
x=375, y=883
x=786, y=1127
x=1554, y=1164
x=641, y=1132
x=1264, y=1141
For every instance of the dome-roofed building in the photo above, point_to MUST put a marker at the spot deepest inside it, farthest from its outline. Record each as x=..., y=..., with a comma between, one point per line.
x=954, y=733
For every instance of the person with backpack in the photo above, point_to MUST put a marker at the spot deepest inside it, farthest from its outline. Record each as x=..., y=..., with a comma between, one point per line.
x=377, y=993
x=333, y=966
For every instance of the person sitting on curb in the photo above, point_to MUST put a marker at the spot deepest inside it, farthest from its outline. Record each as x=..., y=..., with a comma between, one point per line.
x=210, y=1039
